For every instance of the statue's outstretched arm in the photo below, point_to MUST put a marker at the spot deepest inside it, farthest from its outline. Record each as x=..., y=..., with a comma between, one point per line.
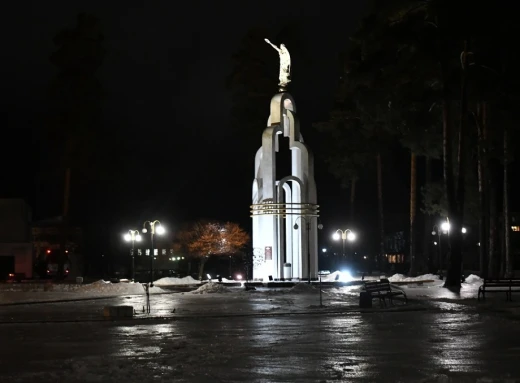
x=271, y=44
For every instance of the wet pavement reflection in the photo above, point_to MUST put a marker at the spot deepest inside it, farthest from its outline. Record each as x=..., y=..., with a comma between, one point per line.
x=414, y=346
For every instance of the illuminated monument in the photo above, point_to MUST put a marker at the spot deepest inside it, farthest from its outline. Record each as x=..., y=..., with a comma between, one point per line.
x=284, y=210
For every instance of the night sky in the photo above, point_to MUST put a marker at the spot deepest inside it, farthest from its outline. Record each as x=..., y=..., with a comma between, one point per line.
x=166, y=113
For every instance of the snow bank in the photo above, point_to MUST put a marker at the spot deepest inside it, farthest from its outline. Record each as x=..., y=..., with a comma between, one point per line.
x=176, y=281
x=210, y=288
x=403, y=278
x=473, y=279
x=104, y=288
x=337, y=276
x=302, y=288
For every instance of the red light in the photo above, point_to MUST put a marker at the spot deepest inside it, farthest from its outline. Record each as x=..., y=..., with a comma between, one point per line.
x=67, y=271
x=48, y=251
x=48, y=271
x=66, y=251
x=11, y=275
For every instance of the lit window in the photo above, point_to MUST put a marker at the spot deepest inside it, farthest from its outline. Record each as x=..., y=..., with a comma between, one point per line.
x=515, y=228
x=155, y=252
x=163, y=252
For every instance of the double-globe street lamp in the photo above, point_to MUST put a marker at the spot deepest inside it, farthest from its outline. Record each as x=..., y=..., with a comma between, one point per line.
x=153, y=229
x=308, y=226
x=344, y=235
x=133, y=236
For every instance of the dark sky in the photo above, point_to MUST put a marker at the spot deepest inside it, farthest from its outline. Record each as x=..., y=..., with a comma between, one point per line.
x=166, y=111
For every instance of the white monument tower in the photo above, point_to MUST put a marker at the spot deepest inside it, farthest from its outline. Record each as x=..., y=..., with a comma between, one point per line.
x=284, y=210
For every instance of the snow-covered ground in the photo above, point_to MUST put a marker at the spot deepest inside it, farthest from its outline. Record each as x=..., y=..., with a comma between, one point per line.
x=428, y=286
x=11, y=293
x=169, y=281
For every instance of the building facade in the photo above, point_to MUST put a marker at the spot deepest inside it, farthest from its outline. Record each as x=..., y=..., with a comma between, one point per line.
x=16, y=256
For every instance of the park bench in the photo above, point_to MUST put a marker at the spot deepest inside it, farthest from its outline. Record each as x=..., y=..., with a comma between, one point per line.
x=496, y=285
x=382, y=290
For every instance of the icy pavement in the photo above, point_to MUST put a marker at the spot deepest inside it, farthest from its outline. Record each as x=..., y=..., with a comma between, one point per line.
x=208, y=300
x=414, y=346
x=226, y=334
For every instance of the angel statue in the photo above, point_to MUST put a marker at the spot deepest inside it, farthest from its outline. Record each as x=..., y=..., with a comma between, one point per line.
x=285, y=65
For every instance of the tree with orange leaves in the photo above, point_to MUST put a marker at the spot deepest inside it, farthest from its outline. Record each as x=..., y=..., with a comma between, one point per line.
x=203, y=239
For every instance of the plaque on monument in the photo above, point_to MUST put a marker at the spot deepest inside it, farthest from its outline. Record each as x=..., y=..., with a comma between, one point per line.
x=268, y=253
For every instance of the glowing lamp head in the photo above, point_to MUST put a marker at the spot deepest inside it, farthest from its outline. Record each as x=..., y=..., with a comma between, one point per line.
x=464, y=231
x=336, y=236
x=239, y=277
x=138, y=238
x=145, y=230
x=351, y=236
x=445, y=226
x=127, y=237
x=160, y=230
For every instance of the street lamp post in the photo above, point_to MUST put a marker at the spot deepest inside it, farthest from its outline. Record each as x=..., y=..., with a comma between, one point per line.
x=437, y=231
x=133, y=235
x=159, y=230
x=445, y=228
x=308, y=226
x=344, y=235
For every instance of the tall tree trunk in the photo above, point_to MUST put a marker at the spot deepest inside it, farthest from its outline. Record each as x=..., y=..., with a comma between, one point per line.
x=381, y=212
x=201, y=266
x=64, y=225
x=507, y=224
x=427, y=256
x=352, y=201
x=493, y=222
x=482, y=195
x=413, y=204
x=456, y=199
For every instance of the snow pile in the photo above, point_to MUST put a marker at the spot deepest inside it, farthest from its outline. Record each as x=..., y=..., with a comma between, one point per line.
x=302, y=288
x=341, y=292
x=403, y=278
x=102, y=287
x=210, y=288
x=176, y=281
x=473, y=279
x=223, y=280
x=337, y=276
